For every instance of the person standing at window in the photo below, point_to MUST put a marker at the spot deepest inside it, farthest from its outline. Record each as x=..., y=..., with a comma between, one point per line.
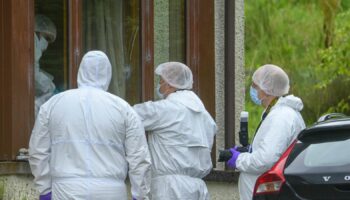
x=180, y=136
x=280, y=124
x=85, y=141
x=45, y=33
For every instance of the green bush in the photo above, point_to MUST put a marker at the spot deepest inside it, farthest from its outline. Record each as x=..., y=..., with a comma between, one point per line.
x=289, y=33
x=333, y=72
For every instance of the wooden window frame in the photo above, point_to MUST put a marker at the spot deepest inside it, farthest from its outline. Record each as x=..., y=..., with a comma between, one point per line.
x=17, y=62
x=17, y=76
x=17, y=66
x=147, y=49
x=147, y=45
x=200, y=52
x=230, y=109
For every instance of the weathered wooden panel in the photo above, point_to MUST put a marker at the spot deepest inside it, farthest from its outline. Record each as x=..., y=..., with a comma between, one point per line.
x=17, y=98
x=201, y=51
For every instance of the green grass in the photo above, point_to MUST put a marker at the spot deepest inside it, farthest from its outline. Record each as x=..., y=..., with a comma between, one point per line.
x=2, y=190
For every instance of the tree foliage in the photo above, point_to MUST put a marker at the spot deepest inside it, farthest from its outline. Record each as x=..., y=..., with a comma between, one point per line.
x=291, y=34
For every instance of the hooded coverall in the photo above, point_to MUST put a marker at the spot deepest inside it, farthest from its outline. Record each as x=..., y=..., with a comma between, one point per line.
x=181, y=134
x=278, y=130
x=86, y=140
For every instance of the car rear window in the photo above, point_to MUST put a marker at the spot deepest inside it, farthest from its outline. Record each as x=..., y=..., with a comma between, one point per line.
x=327, y=154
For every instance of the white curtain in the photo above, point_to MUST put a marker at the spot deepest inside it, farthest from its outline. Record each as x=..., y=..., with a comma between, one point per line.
x=103, y=30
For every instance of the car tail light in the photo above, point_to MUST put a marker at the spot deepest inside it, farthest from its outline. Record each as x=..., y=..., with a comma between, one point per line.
x=272, y=180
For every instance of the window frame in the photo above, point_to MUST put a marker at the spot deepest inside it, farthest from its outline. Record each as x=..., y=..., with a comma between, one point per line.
x=17, y=62
x=17, y=77
x=230, y=63
x=200, y=53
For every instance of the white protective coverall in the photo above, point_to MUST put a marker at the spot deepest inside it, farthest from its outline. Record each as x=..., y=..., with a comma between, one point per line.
x=86, y=140
x=44, y=86
x=181, y=134
x=276, y=133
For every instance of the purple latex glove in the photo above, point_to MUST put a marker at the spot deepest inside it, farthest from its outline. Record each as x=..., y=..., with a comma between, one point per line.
x=134, y=198
x=232, y=162
x=45, y=196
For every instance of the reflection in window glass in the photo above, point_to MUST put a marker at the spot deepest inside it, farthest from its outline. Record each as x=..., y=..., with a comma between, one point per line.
x=328, y=154
x=113, y=27
x=50, y=50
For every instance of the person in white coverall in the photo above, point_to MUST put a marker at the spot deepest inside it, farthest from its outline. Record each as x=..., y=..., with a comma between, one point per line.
x=45, y=33
x=85, y=141
x=280, y=124
x=180, y=136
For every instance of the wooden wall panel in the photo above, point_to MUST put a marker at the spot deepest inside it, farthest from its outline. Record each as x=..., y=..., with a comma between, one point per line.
x=17, y=74
x=147, y=49
x=201, y=51
x=230, y=110
x=22, y=77
x=75, y=40
x=5, y=74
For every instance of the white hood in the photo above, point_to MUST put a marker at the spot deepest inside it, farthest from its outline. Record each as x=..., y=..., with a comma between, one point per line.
x=188, y=99
x=291, y=101
x=95, y=70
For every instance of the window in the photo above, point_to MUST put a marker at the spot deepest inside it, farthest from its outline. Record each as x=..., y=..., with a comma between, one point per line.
x=113, y=27
x=73, y=30
x=50, y=50
x=169, y=32
x=126, y=36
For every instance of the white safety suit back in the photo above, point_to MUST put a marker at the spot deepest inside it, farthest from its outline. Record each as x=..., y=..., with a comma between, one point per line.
x=278, y=130
x=86, y=140
x=180, y=139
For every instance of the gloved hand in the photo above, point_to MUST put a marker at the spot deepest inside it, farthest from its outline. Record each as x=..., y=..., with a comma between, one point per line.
x=134, y=198
x=232, y=162
x=45, y=196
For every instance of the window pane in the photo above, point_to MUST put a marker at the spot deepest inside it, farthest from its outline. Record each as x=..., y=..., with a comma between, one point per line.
x=177, y=30
x=169, y=31
x=50, y=47
x=328, y=154
x=112, y=26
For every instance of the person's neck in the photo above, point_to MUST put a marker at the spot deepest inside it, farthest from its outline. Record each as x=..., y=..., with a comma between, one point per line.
x=169, y=91
x=268, y=100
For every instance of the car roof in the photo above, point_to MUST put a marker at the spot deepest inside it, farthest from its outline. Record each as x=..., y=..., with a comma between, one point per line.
x=334, y=125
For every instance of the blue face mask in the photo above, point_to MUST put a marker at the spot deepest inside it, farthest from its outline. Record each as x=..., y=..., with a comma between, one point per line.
x=159, y=94
x=254, y=96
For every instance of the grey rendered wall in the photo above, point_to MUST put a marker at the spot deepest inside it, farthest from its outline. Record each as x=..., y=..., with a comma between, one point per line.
x=229, y=190
x=220, y=68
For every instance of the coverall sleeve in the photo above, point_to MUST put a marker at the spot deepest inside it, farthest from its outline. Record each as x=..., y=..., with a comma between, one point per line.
x=277, y=134
x=149, y=114
x=39, y=153
x=138, y=157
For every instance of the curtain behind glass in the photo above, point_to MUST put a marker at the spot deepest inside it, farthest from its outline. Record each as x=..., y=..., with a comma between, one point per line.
x=103, y=30
x=177, y=30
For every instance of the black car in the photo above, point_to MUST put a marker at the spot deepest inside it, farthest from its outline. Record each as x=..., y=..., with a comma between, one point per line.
x=315, y=166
